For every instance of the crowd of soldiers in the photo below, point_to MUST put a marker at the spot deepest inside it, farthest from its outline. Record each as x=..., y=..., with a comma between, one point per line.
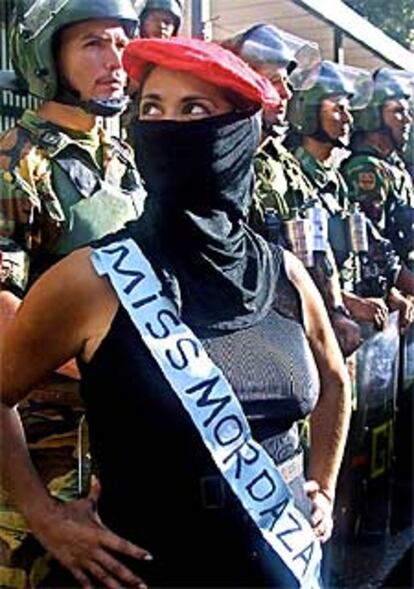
x=333, y=183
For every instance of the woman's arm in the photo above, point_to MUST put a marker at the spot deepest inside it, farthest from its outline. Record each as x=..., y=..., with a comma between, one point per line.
x=330, y=418
x=66, y=314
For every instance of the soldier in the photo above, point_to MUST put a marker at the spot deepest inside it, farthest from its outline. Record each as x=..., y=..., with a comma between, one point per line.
x=322, y=121
x=160, y=18
x=375, y=172
x=63, y=183
x=282, y=189
x=379, y=181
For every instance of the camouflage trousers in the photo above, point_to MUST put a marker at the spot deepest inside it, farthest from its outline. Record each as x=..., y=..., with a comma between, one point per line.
x=56, y=435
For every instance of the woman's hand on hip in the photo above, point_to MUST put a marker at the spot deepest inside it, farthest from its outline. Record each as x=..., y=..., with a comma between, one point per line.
x=75, y=535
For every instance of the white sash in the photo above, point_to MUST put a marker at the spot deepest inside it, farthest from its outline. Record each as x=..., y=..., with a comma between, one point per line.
x=214, y=409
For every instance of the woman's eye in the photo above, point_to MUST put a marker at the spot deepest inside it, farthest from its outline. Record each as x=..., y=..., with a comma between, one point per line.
x=197, y=109
x=149, y=109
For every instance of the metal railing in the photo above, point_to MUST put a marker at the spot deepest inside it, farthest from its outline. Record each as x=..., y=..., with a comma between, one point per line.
x=11, y=105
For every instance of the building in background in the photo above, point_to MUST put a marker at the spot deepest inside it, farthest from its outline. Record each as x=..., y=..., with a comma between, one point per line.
x=11, y=105
x=341, y=33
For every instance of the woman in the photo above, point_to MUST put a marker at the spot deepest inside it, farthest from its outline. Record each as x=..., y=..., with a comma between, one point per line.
x=180, y=474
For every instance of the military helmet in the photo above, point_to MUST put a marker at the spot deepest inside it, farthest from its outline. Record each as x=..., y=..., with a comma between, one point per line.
x=175, y=7
x=333, y=80
x=35, y=24
x=266, y=45
x=389, y=84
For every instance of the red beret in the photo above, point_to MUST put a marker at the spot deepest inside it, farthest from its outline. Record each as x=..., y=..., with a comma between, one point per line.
x=205, y=60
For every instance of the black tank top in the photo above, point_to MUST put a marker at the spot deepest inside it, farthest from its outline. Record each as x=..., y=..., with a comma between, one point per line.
x=160, y=487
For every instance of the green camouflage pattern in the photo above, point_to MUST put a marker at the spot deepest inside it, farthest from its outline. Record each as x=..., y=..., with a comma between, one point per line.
x=31, y=223
x=334, y=195
x=32, y=219
x=51, y=416
x=282, y=185
x=279, y=184
x=332, y=191
x=326, y=180
x=387, y=182
x=372, y=177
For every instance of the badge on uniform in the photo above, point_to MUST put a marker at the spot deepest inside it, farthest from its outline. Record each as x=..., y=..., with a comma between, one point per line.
x=366, y=180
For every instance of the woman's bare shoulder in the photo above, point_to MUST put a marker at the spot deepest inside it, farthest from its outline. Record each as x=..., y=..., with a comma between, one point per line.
x=71, y=285
x=66, y=313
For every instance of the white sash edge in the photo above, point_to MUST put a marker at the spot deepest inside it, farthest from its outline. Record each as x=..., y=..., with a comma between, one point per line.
x=213, y=407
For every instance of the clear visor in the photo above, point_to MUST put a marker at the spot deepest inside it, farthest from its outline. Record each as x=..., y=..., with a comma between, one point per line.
x=139, y=5
x=307, y=61
x=396, y=83
x=265, y=45
x=37, y=17
x=358, y=85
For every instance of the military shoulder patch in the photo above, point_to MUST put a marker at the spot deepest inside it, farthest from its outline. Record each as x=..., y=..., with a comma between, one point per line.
x=366, y=181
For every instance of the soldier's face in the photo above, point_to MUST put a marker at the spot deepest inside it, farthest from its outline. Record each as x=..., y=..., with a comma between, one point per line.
x=159, y=24
x=280, y=81
x=336, y=119
x=398, y=119
x=90, y=59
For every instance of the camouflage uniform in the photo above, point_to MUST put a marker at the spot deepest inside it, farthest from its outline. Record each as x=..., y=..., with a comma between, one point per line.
x=58, y=190
x=371, y=176
x=282, y=185
x=376, y=273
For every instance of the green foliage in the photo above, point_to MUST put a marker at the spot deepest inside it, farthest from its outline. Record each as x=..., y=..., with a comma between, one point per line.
x=394, y=17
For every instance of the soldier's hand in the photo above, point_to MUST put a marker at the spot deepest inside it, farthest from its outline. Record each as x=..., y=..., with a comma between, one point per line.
x=75, y=535
x=373, y=310
x=404, y=305
x=347, y=332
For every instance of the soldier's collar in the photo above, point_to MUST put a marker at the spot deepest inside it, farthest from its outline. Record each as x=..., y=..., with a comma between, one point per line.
x=392, y=158
x=273, y=146
x=395, y=159
x=54, y=138
x=369, y=149
x=320, y=173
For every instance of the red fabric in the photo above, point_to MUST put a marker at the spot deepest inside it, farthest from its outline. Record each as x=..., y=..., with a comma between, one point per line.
x=205, y=60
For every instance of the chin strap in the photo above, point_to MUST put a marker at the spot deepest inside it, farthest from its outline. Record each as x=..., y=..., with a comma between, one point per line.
x=323, y=137
x=101, y=107
x=105, y=107
x=385, y=130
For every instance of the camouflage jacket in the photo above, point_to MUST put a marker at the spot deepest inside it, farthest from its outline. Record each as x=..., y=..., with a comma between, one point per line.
x=279, y=183
x=32, y=221
x=385, y=181
x=32, y=218
x=372, y=176
x=373, y=275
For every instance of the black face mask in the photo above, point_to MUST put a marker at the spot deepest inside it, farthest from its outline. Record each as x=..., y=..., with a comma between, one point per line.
x=199, y=178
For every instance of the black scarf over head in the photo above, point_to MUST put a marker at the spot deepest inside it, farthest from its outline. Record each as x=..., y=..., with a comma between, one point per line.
x=199, y=178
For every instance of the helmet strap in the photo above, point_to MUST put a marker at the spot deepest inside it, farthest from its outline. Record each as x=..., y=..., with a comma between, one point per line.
x=322, y=136
x=95, y=106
